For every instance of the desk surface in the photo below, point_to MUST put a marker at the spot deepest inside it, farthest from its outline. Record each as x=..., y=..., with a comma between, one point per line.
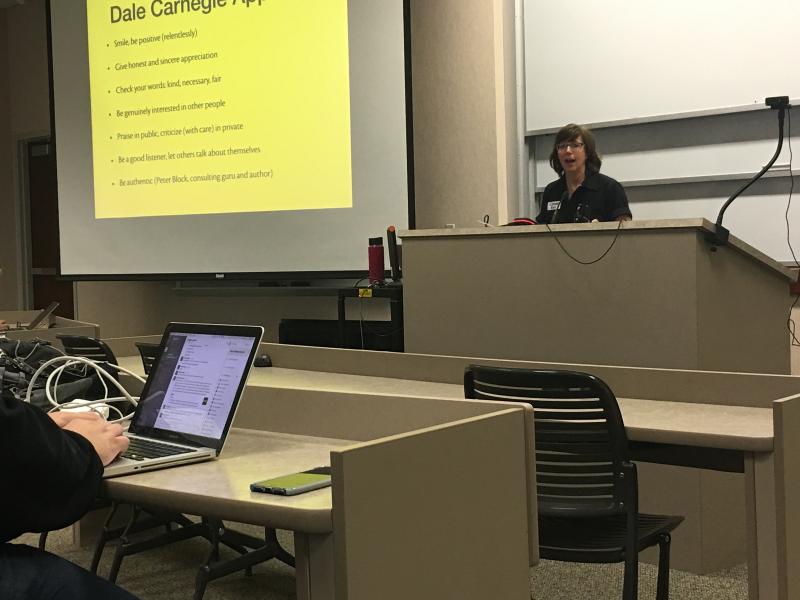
x=705, y=425
x=334, y=382
x=683, y=423
x=220, y=488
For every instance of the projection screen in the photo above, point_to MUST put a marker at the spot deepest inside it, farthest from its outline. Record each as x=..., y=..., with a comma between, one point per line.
x=228, y=137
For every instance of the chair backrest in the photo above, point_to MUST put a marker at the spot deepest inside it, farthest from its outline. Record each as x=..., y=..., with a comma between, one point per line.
x=149, y=354
x=582, y=466
x=88, y=347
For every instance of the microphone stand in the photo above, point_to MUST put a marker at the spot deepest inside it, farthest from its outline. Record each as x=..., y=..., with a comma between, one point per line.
x=719, y=237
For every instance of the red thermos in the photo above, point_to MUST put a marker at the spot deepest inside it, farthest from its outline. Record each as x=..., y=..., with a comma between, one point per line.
x=375, y=255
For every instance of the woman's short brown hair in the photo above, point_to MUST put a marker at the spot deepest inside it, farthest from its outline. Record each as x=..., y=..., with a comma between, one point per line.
x=573, y=132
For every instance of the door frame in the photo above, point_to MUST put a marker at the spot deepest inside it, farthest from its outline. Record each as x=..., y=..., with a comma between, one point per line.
x=24, y=242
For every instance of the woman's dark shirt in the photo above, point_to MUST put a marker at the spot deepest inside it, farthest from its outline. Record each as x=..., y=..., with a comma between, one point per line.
x=598, y=197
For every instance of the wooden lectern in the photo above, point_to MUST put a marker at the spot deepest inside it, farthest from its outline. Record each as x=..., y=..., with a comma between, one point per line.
x=661, y=297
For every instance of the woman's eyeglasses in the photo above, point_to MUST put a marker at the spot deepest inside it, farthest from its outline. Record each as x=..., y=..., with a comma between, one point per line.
x=564, y=146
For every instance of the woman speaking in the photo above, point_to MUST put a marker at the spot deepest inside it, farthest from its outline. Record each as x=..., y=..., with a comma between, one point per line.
x=581, y=194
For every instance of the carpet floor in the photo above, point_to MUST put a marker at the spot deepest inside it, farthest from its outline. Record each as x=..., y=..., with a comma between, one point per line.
x=168, y=574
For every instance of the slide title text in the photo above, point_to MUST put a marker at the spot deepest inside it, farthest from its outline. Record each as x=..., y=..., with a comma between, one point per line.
x=167, y=8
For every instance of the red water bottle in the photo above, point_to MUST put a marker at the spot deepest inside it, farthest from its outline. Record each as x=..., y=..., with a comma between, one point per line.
x=375, y=256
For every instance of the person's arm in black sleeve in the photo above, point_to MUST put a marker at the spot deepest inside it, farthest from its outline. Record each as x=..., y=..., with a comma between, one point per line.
x=50, y=476
x=617, y=201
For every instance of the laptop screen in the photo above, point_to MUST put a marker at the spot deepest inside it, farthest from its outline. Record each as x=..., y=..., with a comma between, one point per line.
x=193, y=389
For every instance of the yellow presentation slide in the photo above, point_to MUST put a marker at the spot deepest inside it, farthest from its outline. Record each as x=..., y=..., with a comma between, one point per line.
x=219, y=106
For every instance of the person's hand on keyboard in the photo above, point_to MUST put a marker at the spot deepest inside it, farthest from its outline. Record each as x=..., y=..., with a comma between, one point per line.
x=106, y=437
x=63, y=417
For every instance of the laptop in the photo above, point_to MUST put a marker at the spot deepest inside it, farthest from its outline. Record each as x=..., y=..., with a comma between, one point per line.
x=190, y=397
x=46, y=312
x=37, y=320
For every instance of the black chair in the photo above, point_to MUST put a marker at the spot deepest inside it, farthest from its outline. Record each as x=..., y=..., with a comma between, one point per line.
x=586, y=485
x=87, y=347
x=149, y=354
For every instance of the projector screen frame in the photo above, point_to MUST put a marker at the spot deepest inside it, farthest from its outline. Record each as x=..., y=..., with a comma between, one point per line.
x=291, y=277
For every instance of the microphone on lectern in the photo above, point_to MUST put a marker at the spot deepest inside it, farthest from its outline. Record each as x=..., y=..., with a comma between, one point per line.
x=719, y=237
x=582, y=213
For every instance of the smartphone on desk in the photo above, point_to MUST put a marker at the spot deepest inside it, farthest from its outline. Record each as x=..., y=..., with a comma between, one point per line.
x=296, y=483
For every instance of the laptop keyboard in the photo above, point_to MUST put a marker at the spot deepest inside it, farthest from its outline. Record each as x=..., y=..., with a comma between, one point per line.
x=140, y=449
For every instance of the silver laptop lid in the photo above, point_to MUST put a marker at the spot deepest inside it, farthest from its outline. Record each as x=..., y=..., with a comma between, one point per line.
x=46, y=312
x=194, y=387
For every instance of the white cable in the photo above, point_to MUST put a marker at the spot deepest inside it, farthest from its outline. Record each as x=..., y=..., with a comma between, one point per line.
x=74, y=404
x=70, y=361
x=57, y=374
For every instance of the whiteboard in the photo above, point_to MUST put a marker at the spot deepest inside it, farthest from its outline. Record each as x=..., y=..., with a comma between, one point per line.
x=621, y=61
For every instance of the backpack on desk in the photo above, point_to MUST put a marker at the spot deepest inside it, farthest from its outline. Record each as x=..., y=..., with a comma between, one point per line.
x=19, y=360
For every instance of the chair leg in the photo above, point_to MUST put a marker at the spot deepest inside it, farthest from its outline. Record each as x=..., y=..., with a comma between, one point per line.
x=630, y=582
x=662, y=585
x=200, y=583
x=105, y=535
x=119, y=554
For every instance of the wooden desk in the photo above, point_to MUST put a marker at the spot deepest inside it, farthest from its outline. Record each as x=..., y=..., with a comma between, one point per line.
x=403, y=494
x=740, y=428
x=220, y=488
x=48, y=329
x=750, y=418
x=700, y=425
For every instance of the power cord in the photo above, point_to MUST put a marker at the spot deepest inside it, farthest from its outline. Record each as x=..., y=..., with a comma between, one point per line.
x=360, y=316
x=36, y=346
x=574, y=258
x=19, y=361
x=790, y=324
x=362, y=322
x=72, y=361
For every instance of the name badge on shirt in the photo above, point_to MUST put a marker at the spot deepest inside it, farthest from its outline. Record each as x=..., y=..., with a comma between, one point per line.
x=553, y=205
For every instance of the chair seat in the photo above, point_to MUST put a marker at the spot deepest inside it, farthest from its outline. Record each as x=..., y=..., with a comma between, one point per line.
x=598, y=539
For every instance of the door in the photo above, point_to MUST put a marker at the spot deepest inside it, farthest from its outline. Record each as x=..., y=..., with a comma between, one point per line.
x=42, y=211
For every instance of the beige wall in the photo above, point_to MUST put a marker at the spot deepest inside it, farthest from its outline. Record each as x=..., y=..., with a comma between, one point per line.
x=509, y=135
x=138, y=308
x=8, y=221
x=455, y=145
x=24, y=113
x=464, y=110
x=30, y=95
